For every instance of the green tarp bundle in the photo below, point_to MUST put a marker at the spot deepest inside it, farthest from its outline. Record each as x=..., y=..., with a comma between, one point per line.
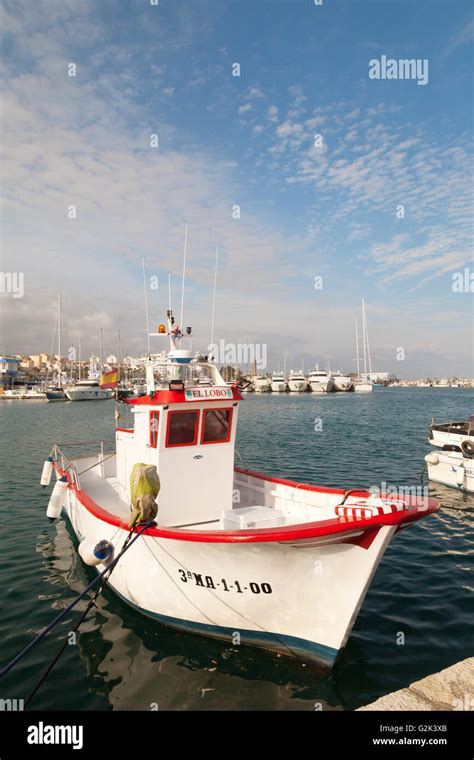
x=144, y=488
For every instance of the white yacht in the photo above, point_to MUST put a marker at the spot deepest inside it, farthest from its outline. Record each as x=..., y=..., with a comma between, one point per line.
x=320, y=381
x=262, y=383
x=89, y=390
x=342, y=382
x=279, y=384
x=297, y=382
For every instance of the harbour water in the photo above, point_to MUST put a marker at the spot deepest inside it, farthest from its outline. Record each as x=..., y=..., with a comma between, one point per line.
x=416, y=619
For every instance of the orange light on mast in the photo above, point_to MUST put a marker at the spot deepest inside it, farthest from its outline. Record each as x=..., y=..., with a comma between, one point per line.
x=161, y=329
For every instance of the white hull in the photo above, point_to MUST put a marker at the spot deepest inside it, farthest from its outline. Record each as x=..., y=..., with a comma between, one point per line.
x=455, y=436
x=321, y=386
x=343, y=384
x=79, y=393
x=307, y=612
x=363, y=387
x=297, y=386
x=279, y=387
x=451, y=469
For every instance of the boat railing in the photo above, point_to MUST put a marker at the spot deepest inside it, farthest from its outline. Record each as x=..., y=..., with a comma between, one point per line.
x=68, y=466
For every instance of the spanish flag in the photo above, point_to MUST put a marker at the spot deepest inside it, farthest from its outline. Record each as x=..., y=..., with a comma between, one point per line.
x=109, y=379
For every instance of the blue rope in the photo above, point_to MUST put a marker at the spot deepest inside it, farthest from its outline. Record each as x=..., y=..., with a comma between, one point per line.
x=71, y=606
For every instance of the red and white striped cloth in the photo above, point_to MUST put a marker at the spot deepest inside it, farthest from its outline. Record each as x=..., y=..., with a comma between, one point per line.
x=363, y=510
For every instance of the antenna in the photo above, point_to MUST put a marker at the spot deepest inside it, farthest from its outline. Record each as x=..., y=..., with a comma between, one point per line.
x=146, y=307
x=184, y=272
x=214, y=297
x=169, y=291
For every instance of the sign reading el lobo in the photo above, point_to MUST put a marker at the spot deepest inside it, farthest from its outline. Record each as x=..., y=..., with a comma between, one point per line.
x=209, y=393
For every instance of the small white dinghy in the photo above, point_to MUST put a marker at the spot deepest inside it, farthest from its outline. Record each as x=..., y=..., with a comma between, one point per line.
x=234, y=554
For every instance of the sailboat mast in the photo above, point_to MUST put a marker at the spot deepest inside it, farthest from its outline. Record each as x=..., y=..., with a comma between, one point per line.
x=59, y=335
x=101, y=348
x=364, y=340
x=118, y=355
x=367, y=340
x=357, y=352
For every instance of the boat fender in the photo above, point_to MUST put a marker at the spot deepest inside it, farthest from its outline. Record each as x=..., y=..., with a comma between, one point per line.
x=460, y=475
x=47, y=470
x=94, y=553
x=467, y=448
x=432, y=458
x=56, y=501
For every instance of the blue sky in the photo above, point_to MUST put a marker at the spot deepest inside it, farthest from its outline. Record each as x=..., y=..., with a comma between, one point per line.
x=306, y=210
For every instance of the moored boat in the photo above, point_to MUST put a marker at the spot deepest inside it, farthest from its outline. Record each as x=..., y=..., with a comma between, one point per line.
x=320, y=381
x=279, y=384
x=285, y=565
x=342, y=383
x=297, y=382
x=262, y=383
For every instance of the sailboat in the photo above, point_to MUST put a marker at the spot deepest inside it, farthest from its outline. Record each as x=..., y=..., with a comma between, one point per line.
x=363, y=386
x=56, y=392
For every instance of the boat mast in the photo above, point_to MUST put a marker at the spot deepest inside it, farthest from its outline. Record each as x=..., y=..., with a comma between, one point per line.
x=118, y=356
x=364, y=340
x=146, y=308
x=357, y=352
x=59, y=335
x=214, y=297
x=184, y=274
x=367, y=337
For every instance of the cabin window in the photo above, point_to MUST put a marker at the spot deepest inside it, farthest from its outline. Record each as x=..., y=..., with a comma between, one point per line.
x=182, y=428
x=154, y=424
x=216, y=425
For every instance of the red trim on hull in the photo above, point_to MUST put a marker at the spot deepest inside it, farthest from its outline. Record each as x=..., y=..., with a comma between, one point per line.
x=302, y=532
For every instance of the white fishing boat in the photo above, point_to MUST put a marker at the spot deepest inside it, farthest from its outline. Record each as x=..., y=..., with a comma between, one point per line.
x=342, y=383
x=297, y=382
x=262, y=383
x=232, y=552
x=453, y=465
x=452, y=432
x=362, y=384
x=320, y=381
x=279, y=384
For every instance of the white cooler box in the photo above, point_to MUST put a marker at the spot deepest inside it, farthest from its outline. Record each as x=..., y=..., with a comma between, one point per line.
x=246, y=518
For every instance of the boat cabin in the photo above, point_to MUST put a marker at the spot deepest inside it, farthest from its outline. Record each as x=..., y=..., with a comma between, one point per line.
x=186, y=428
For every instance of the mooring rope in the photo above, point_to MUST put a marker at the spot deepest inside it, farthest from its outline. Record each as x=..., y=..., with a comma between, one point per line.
x=108, y=570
